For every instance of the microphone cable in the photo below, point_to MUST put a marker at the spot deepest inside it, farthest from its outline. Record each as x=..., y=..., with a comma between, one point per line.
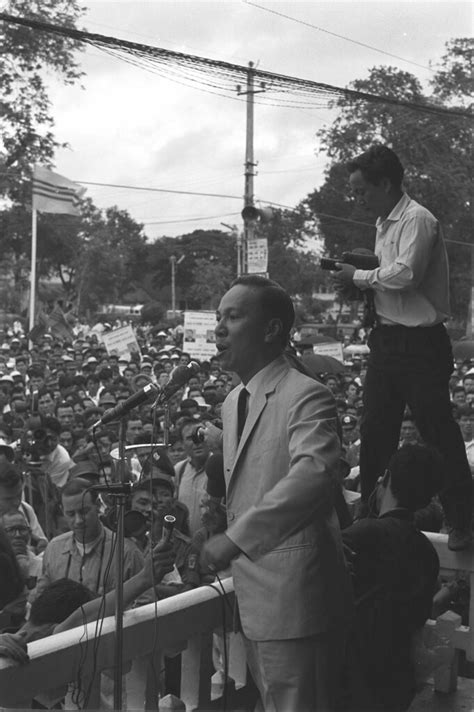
x=225, y=602
x=156, y=675
x=100, y=621
x=98, y=624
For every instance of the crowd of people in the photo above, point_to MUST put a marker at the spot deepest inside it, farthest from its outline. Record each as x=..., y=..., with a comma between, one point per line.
x=61, y=531
x=311, y=486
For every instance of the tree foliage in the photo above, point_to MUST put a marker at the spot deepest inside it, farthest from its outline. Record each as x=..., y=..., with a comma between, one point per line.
x=26, y=58
x=289, y=263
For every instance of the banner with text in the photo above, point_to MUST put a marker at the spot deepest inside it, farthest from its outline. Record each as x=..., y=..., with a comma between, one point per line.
x=329, y=348
x=121, y=342
x=199, y=339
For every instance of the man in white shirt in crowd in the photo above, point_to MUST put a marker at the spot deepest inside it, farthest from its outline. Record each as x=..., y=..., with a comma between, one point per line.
x=191, y=478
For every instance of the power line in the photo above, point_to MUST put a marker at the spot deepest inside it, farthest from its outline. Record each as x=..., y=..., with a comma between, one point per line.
x=209, y=195
x=159, y=190
x=183, y=220
x=225, y=75
x=335, y=34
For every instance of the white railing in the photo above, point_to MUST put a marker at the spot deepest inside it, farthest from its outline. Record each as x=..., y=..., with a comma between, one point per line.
x=184, y=623
x=449, y=623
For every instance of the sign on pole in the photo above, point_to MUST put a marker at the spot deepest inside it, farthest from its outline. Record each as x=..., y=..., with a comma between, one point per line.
x=199, y=339
x=257, y=255
x=121, y=342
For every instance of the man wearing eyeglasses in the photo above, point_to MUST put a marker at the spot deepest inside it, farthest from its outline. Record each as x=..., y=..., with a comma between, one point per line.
x=18, y=531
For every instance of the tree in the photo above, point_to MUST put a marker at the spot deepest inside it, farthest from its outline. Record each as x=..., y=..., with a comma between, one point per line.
x=26, y=58
x=289, y=263
x=211, y=280
x=26, y=123
x=112, y=258
x=435, y=149
x=153, y=313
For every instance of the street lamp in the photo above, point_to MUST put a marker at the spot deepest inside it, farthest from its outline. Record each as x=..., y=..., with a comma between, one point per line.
x=238, y=237
x=174, y=262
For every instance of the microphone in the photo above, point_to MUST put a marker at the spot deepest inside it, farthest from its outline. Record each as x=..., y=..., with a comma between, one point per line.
x=179, y=377
x=215, y=475
x=142, y=396
x=168, y=524
x=114, y=488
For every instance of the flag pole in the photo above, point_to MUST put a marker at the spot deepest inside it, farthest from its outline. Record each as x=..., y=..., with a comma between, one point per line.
x=33, y=273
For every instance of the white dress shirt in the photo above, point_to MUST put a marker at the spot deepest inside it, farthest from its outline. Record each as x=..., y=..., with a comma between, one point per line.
x=411, y=285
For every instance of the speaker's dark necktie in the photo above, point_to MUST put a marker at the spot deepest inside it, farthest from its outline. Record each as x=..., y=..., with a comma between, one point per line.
x=242, y=411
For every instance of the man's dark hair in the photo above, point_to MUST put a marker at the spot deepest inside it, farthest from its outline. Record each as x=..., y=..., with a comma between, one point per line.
x=105, y=373
x=377, y=163
x=416, y=475
x=35, y=371
x=184, y=422
x=58, y=601
x=464, y=410
x=50, y=423
x=44, y=391
x=10, y=475
x=62, y=404
x=275, y=302
x=6, y=428
x=78, y=485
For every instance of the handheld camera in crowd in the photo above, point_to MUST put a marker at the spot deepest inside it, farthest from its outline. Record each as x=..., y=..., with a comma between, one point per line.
x=359, y=260
x=198, y=433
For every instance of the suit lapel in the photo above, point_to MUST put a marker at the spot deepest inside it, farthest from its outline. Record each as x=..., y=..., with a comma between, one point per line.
x=258, y=402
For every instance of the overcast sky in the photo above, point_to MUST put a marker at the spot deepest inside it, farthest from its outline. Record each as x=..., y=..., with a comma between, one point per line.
x=132, y=127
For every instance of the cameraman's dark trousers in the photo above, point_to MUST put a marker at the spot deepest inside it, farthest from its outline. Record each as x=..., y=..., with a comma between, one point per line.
x=412, y=366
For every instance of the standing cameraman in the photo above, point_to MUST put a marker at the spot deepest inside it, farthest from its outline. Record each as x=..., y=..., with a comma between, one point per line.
x=410, y=352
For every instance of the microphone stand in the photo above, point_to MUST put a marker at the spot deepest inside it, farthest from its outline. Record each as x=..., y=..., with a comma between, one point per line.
x=120, y=499
x=166, y=425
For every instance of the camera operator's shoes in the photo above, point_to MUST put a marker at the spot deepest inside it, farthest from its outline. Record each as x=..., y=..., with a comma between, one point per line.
x=459, y=539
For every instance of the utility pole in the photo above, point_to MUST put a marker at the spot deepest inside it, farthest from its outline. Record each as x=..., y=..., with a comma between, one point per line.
x=249, y=225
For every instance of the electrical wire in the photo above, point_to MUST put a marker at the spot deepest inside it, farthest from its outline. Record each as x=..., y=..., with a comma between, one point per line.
x=160, y=190
x=335, y=34
x=197, y=70
x=184, y=220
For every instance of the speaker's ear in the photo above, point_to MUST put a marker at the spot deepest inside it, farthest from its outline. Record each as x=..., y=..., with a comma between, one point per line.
x=386, y=477
x=273, y=330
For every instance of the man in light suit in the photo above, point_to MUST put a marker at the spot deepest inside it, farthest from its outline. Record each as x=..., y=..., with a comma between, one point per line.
x=283, y=538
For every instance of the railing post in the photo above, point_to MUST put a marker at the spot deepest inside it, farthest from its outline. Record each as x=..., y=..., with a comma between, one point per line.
x=470, y=646
x=154, y=675
x=446, y=677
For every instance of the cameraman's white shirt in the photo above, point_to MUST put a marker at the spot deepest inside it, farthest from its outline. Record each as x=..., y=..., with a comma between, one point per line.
x=57, y=465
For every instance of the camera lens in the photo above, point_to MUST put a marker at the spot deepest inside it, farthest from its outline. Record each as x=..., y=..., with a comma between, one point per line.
x=197, y=435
